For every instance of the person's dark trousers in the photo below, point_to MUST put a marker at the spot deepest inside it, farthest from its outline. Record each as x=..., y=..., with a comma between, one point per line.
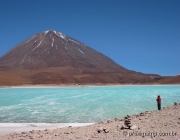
x=159, y=106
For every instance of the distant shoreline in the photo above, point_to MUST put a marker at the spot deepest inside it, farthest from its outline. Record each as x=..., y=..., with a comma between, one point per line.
x=79, y=85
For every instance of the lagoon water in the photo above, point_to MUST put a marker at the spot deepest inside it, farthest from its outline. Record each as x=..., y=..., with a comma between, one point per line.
x=81, y=104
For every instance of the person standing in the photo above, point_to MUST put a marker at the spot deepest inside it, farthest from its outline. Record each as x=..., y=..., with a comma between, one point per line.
x=159, y=102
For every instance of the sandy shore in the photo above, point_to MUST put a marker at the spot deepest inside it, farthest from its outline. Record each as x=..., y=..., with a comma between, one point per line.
x=7, y=128
x=160, y=125
x=79, y=85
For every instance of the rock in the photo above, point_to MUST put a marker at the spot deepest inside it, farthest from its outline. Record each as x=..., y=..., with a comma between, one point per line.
x=124, y=127
x=175, y=103
x=31, y=137
x=147, y=112
x=101, y=122
x=70, y=126
x=118, y=127
x=33, y=125
x=127, y=121
x=141, y=114
x=116, y=119
x=127, y=117
x=108, y=121
x=106, y=131
x=78, y=137
x=133, y=127
x=99, y=130
x=23, y=133
x=66, y=132
x=129, y=125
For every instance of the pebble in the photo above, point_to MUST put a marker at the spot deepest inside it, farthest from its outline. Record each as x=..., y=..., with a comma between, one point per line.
x=77, y=137
x=23, y=133
x=66, y=132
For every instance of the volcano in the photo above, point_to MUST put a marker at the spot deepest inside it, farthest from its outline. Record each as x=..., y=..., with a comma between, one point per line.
x=52, y=57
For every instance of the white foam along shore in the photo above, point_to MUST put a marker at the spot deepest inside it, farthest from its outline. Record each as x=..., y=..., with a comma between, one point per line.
x=6, y=128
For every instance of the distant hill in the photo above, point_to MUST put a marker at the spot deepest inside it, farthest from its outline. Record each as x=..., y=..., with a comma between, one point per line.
x=51, y=57
x=170, y=80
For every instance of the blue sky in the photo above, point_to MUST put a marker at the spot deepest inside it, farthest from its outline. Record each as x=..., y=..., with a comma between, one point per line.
x=141, y=35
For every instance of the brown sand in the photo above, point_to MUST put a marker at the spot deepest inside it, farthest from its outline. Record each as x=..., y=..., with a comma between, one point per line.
x=156, y=125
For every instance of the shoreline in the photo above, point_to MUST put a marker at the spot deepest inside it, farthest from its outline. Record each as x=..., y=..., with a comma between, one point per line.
x=7, y=128
x=163, y=124
x=89, y=85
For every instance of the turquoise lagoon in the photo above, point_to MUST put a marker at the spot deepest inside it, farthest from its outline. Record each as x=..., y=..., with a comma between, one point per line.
x=81, y=104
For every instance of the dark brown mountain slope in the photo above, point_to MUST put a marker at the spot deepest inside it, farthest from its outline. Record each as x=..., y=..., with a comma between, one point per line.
x=54, y=58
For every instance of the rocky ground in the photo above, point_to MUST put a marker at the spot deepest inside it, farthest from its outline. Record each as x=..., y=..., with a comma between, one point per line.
x=156, y=125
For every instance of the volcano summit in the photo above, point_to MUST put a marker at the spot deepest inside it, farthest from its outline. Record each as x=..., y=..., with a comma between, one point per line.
x=51, y=57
